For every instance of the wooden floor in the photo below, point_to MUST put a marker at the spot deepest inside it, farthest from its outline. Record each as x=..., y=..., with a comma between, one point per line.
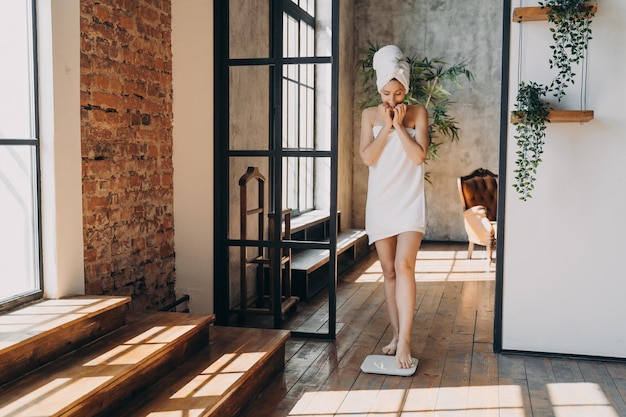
x=458, y=374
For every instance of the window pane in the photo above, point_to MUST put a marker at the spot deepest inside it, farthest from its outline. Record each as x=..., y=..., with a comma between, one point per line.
x=19, y=224
x=292, y=115
x=291, y=37
x=290, y=184
x=16, y=74
x=307, y=182
x=246, y=176
x=249, y=29
x=299, y=180
x=322, y=99
x=306, y=5
x=249, y=109
x=19, y=257
x=299, y=107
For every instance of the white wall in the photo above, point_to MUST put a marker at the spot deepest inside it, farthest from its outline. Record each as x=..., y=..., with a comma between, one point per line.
x=61, y=177
x=564, y=281
x=192, y=46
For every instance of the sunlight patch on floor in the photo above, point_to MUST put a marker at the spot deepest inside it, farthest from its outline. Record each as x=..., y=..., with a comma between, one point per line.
x=439, y=266
x=567, y=400
x=484, y=401
x=579, y=399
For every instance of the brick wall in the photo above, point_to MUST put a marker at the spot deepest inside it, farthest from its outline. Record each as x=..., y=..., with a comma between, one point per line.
x=126, y=129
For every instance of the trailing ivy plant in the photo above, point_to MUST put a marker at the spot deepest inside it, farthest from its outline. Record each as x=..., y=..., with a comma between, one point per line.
x=571, y=34
x=530, y=118
x=426, y=87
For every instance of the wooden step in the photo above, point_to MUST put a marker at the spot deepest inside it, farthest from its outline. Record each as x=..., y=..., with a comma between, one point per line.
x=307, y=266
x=41, y=332
x=98, y=377
x=218, y=381
x=310, y=259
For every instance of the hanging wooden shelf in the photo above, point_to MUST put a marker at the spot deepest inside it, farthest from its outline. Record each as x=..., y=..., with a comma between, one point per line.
x=537, y=13
x=565, y=116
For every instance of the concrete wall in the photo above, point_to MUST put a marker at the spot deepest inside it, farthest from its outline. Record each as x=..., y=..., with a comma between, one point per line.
x=563, y=271
x=455, y=31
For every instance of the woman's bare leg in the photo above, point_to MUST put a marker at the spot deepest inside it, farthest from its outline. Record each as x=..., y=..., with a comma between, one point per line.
x=406, y=253
x=386, y=250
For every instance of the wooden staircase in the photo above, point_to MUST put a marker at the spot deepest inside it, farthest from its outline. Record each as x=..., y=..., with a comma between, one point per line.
x=90, y=356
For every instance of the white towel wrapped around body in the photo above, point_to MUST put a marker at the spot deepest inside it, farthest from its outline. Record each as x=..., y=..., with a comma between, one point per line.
x=395, y=194
x=389, y=63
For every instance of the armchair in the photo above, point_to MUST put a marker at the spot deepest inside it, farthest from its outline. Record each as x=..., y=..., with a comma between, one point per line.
x=479, y=196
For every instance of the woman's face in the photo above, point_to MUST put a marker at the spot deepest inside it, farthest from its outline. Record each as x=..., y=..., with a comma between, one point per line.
x=392, y=93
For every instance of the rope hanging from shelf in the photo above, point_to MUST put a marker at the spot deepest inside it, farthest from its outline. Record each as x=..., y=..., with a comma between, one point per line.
x=584, y=65
x=583, y=83
x=519, y=49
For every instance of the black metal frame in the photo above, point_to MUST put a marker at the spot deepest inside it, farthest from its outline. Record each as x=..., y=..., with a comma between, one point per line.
x=275, y=154
x=30, y=296
x=504, y=120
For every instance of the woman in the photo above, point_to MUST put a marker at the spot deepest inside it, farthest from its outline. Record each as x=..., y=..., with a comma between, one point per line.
x=394, y=143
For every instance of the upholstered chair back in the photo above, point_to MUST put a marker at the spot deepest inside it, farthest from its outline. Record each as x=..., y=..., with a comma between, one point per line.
x=480, y=188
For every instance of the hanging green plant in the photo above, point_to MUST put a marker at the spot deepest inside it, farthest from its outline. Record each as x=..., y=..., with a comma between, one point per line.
x=571, y=34
x=531, y=116
x=427, y=87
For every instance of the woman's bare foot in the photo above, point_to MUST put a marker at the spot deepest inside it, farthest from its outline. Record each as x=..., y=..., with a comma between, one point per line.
x=390, y=349
x=403, y=355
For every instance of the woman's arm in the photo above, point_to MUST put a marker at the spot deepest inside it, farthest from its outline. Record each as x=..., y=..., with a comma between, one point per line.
x=370, y=148
x=415, y=148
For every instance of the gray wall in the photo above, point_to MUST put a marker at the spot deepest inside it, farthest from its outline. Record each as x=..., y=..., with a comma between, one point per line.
x=455, y=31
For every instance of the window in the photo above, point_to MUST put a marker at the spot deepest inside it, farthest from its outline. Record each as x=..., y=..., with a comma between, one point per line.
x=299, y=107
x=20, y=261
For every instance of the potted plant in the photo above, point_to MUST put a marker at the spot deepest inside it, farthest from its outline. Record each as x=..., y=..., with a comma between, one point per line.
x=571, y=34
x=427, y=87
x=531, y=116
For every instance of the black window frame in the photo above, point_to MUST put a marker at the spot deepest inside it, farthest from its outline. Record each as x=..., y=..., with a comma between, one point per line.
x=34, y=142
x=275, y=61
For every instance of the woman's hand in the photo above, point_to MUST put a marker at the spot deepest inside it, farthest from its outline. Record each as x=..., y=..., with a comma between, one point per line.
x=398, y=115
x=386, y=114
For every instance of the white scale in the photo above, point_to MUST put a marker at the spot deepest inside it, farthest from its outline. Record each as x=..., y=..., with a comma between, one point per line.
x=386, y=365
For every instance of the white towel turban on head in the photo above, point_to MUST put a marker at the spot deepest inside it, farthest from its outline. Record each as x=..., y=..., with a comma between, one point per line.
x=389, y=63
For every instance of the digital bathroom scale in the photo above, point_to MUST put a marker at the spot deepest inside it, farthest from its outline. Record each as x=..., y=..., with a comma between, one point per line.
x=386, y=365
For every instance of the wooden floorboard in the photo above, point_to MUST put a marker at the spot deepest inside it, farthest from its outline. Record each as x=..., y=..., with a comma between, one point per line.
x=452, y=335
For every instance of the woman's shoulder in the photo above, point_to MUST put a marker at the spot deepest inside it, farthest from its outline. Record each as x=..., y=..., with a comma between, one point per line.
x=416, y=111
x=416, y=107
x=369, y=113
x=370, y=110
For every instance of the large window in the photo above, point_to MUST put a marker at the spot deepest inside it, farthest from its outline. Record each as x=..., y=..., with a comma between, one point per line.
x=20, y=271
x=299, y=107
